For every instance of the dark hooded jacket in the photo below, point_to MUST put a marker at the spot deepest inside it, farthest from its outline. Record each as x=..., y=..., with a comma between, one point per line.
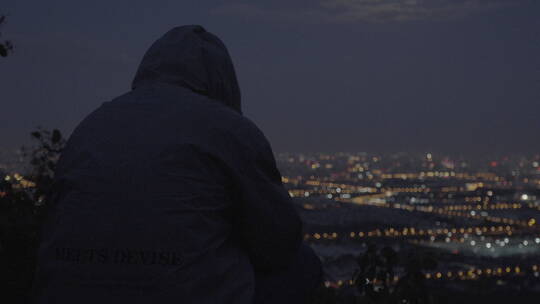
x=167, y=194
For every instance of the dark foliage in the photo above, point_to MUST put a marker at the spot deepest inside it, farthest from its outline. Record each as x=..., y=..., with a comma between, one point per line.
x=5, y=46
x=375, y=277
x=374, y=281
x=22, y=205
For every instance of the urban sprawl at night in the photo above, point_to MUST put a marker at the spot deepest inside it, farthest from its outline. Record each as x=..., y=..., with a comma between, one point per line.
x=476, y=217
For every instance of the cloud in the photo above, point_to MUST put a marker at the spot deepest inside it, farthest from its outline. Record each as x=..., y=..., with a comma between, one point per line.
x=407, y=10
x=368, y=11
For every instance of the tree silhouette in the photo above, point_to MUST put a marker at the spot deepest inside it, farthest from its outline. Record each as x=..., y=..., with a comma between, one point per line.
x=375, y=277
x=22, y=208
x=5, y=46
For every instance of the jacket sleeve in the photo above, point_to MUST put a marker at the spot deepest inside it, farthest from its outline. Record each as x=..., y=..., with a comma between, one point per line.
x=267, y=223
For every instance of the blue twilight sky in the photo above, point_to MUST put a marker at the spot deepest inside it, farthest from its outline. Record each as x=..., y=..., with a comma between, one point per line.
x=318, y=75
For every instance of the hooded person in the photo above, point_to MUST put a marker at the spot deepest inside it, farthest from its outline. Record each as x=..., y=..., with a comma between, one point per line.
x=168, y=194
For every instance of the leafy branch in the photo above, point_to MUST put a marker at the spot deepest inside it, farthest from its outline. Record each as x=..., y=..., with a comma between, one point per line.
x=22, y=209
x=5, y=46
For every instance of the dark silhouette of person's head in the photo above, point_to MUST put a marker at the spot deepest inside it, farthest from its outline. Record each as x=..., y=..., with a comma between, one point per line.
x=193, y=58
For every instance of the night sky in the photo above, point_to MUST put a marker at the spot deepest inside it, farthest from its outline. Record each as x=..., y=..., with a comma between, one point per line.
x=334, y=75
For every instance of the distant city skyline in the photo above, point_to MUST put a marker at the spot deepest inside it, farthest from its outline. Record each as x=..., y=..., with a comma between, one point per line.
x=476, y=221
x=378, y=76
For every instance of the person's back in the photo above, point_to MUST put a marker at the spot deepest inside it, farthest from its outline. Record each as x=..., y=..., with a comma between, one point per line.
x=167, y=193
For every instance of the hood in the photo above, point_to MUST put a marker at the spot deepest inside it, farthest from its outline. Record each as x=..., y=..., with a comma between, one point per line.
x=191, y=57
